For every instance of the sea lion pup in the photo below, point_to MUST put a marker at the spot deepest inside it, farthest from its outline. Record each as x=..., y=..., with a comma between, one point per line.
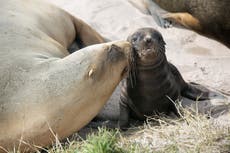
x=210, y=18
x=44, y=90
x=154, y=82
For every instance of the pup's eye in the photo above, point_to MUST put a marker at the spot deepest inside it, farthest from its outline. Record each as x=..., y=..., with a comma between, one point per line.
x=134, y=39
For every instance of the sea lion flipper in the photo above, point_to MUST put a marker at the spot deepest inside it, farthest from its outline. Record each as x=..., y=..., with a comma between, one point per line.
x=156, y=12
x=193, y=90
x=166, y=19
x=196, y=91
x=183, y=19
x=189, y=90
x=86, y=35
x=177, y=75
x=123, y=122
x=139, y=5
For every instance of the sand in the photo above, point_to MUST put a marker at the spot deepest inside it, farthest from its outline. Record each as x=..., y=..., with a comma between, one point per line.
x=199, y=59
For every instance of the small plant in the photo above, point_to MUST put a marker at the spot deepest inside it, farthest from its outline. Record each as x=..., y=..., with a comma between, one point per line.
x=104, y=141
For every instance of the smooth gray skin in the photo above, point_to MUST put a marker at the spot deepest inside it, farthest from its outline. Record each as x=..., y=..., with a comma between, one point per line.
x=44, y=91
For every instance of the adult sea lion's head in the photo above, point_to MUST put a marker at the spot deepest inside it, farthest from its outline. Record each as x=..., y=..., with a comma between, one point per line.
x=148, y=45
x=110, y=64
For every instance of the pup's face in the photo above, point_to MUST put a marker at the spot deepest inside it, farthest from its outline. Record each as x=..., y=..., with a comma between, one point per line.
x=148, y=43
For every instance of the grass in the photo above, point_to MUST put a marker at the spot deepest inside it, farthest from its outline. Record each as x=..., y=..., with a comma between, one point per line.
x=198, y=134
x=193, y=133
x=103, y=141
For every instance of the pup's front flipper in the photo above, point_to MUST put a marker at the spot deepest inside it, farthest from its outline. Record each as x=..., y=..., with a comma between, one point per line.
x=123, y=122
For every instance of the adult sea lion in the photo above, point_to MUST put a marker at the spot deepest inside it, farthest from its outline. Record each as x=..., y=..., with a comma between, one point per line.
x=154, y=83
x=44, y=91
x=210, y=18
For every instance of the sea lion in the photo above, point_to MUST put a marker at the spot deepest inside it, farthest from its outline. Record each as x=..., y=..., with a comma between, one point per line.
x=154, y=83
x=208, y=18
x=44, y=90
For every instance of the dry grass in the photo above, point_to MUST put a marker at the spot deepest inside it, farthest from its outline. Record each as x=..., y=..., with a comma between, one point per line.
x=192, y=133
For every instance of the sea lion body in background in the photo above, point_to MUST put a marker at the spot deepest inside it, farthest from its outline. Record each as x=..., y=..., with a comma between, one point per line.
x=44, y=90
x=210, y=18
x=154, y=83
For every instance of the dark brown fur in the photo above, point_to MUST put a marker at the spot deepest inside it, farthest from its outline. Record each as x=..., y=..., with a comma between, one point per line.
x=154, y=82
x=210, y=18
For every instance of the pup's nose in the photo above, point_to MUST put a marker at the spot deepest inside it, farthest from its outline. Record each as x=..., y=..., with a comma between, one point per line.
x=148, y=39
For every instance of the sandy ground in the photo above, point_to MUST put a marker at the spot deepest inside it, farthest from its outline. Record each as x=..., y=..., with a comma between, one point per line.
x=198, y=58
